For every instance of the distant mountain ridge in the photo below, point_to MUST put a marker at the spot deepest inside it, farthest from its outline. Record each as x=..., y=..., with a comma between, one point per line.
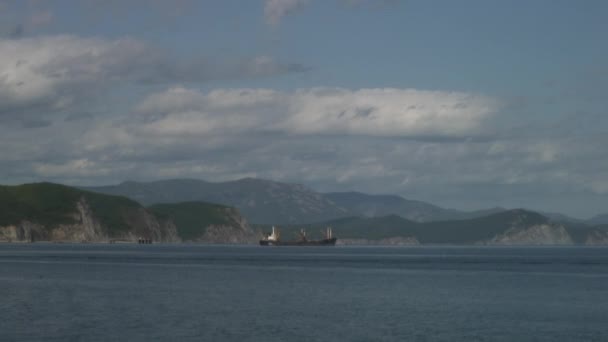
x=260, y=201
x=54, y=212
x=381, y=205
x=268, y=202
x=264, y=201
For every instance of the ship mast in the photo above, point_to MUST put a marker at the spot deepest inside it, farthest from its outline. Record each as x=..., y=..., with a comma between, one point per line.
x=328, y=233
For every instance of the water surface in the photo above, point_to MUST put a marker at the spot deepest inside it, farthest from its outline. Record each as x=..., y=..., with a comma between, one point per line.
x=88, y=292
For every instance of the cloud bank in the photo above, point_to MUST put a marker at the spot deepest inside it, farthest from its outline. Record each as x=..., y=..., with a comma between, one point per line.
x=54, y=72
x=422, y=144
x=318, y=111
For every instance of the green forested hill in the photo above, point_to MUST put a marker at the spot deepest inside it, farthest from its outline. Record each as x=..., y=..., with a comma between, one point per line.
x=51, y=204
x=47, y=211
x=191, y=217
x=517, y=222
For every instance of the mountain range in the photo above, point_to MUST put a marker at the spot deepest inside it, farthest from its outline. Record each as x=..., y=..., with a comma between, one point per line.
x=260, y=201
x=365, y=205
x=268, y=202
x=55, y=212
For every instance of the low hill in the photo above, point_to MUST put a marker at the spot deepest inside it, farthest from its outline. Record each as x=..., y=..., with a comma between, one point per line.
x=46, y=211
x=54, y=212
x=206, y=222
x=505, y=228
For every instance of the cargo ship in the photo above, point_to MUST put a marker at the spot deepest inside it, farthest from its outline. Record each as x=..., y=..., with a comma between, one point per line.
x=274, y=239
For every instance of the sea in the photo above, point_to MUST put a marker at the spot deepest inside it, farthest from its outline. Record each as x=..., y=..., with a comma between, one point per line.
x=124, y=292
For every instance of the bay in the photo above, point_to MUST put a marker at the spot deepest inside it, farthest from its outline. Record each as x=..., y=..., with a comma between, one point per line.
x=97, y=292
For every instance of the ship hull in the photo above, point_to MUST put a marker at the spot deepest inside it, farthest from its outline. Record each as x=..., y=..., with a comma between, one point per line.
x=324, y=242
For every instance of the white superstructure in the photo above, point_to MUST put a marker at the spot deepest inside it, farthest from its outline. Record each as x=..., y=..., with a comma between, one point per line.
x=274, y=236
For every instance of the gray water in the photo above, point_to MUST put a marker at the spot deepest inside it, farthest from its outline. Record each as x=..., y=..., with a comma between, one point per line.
x=79, y=292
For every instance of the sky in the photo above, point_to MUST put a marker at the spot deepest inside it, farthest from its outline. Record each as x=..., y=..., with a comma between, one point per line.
x=465, y=104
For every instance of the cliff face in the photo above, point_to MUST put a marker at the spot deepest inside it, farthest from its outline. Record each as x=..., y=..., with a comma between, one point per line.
x=542, y=234
x=147, y=225
x=597, y=237
x=227, y=234
x=54, y=212
x=23, y=232
x=86, y=227
x=206, y=223
x=141, y=223
x=237, y=231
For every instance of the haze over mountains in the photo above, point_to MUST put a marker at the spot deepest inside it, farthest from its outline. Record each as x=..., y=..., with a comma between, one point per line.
x=366, y=205
x=260, y=201
x=264, y=201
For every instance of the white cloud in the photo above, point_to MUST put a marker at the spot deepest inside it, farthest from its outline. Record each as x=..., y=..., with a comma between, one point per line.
x=80, y=167
x=221, y=135
x=372, y=112
x=599, y=186
x=180, y=99
x=51, y=71
x=54, y=72
x=275, y=10
x=387, y=112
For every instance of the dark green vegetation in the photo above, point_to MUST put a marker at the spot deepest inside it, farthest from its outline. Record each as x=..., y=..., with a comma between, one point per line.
x=456, y=231
x=361, y=216
x=51, y=204
x=580, y=232
x=267, y=202
x=190, y=217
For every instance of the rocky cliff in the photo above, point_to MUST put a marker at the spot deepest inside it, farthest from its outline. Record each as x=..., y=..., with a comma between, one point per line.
x=234, y=230
x=542, y=234
x=53, y=212
x=597, y=237
x=206, y=222
x=82, y=225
